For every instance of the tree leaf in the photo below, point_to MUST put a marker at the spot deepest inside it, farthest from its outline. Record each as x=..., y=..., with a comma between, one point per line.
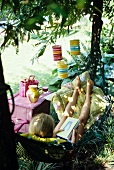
x=41, y=50
x=55, y=80
x=54, y=71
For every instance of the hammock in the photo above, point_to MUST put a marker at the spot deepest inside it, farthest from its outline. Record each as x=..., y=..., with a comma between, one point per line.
x=47, y=152
x=37, y=152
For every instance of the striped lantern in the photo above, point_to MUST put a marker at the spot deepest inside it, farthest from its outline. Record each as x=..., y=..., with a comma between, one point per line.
x=74, y=47
x=62, y=69
x=57, y=52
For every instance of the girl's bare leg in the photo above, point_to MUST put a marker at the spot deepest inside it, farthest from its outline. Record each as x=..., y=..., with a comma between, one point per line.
x=85, y=110
x=69, y=110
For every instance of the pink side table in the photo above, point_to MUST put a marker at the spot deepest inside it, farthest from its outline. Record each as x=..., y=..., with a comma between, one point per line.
x=24, y=110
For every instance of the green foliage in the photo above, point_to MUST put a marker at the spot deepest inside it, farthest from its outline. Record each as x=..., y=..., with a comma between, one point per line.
x=39, y=53
x=108, y=7
x=107, y=39
x=28, y=16
x=105, y=153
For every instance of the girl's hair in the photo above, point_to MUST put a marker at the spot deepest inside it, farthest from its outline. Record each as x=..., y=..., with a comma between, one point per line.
x=42, y=125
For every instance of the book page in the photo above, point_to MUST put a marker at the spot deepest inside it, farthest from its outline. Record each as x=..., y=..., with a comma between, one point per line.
x=68, y=126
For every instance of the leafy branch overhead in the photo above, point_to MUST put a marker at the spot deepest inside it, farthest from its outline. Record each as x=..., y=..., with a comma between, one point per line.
x=53, y=17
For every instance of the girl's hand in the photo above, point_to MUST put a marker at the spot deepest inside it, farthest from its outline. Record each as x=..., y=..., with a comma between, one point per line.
x=73, y=138
x=57, y=128
x=56, y=131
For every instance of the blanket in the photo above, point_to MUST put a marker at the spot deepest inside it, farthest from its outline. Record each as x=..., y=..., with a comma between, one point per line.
x=98, y=102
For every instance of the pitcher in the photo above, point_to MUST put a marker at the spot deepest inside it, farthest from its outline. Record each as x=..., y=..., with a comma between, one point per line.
x=32, y=93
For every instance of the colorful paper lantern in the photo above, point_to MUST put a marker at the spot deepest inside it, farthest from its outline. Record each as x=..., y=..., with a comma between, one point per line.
x=74, y=47
x=57, y=52
x=62, y=69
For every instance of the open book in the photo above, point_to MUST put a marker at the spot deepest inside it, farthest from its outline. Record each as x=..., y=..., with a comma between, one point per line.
x=68, y=126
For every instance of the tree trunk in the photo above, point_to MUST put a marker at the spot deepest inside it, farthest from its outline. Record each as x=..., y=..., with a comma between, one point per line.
x=8, y=159
x=95, y=54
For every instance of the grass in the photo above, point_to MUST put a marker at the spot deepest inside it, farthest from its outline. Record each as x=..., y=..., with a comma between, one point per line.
x=19, y=66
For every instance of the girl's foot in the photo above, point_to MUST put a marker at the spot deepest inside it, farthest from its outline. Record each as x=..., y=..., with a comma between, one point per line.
x=78, y=83
x=90, y=85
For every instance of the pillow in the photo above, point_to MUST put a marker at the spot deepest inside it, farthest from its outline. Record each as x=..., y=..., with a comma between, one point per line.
x=49, y=140
x=60, y=100
x=83, y=77
x=98, y=104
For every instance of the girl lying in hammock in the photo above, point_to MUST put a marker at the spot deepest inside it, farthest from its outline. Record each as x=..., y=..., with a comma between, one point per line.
x=42, y=124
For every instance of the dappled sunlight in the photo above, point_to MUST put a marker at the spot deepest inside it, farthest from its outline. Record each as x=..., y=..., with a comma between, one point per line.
x=73, y=108
x=101, y=103
x=79, y=136
x=85, y=105
x=70, y=99
x=65, y=96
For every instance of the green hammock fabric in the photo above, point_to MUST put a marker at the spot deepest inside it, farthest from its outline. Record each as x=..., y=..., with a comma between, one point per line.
x=31, y=154
x=40, y=151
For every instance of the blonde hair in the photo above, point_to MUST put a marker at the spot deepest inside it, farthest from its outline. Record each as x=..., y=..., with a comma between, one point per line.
x=42, y=125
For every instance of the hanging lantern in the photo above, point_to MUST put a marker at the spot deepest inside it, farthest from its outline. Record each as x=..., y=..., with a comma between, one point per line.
x=57, y=52
x=62, y=69
x=74, y=47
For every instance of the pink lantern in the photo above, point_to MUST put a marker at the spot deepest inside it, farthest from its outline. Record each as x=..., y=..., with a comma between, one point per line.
x=57, y=52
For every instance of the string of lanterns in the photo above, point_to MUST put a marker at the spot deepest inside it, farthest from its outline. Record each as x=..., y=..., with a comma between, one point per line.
x=62, y=66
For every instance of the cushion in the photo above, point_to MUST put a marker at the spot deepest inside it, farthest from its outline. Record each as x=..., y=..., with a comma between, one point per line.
x=61, y=97
x=60, y=100
x=49, y=140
